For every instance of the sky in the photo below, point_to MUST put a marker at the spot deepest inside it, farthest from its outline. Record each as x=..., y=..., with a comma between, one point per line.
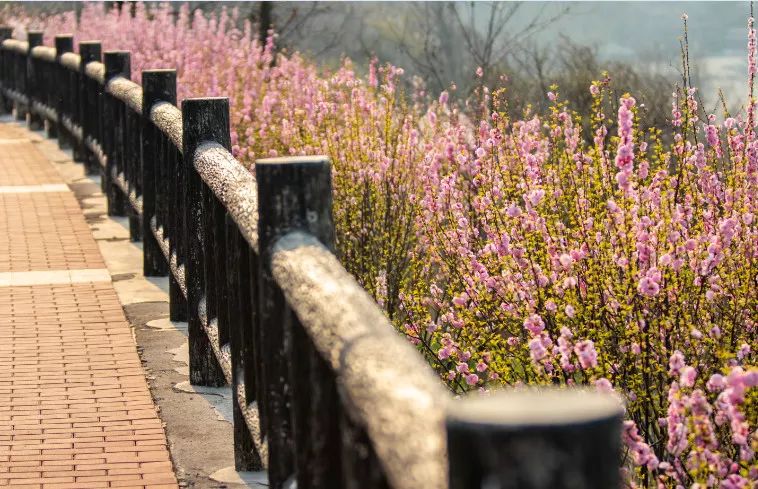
x=650, y=32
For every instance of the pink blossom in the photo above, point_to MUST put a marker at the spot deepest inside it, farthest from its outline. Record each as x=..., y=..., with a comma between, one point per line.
x=536, y=349
x=712, y=135
x=648, y=287
x=687, y=378
x=743, y=351
x=752, y=66
x=716, y=383
x=514, y=210
x=734, y=481
x=603, y=385
x=585, y=350
x=535, y=196
x=641, y=451
x=676, y=363
x=534, y=324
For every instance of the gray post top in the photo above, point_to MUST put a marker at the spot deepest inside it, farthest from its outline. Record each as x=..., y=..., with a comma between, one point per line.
x=536, y=407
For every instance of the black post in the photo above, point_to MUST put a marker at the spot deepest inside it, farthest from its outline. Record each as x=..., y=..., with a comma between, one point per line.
x=361, y=466
x=240, y=314
x=117, y=63
x=175, y=215
x=175, y=228
x=5, y=103
x=50, y=92
x=19, y=62
x=535, y=439
x=157, y=86
x=203, y=120
x=294, y=194
x=89, y=51
x=63, y=44
x=34, y=39
x=132, y=171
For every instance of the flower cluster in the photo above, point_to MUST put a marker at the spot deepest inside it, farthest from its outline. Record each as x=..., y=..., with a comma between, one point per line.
x=557, y=248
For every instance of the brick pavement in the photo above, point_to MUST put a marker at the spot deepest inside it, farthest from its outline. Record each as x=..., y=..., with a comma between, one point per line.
x=75, y=408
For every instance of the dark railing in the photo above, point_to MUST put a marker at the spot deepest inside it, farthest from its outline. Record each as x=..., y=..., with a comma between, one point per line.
x=326, y=393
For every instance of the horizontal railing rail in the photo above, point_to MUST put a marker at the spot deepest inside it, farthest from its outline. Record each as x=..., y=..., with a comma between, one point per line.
x=326, y=394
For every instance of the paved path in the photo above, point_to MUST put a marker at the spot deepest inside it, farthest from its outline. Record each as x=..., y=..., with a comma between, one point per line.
x=75, y=408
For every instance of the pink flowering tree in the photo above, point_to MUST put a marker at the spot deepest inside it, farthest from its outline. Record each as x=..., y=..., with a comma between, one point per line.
x=564, y=248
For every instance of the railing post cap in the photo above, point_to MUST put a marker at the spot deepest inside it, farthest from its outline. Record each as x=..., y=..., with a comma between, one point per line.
x=199, y=101
x=159, y=79
x=159, y=70
x=34, y=38
x=116, y=59
x=115, y=56
x=193, y=106
x=117, y=63
x=203, y=107
x=294, y=194
x=158, y=84
x=204, y=120
x=535, y=438
x=514, y=408
x=292, y=160
x=64, y=43
x=89, y=51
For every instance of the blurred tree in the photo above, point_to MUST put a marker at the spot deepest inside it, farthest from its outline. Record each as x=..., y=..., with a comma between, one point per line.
x=446, y=42
x=573, y=67
x=313, y=27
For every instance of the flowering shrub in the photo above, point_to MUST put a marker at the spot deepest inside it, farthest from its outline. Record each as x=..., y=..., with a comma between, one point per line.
x=520, y=249
x=621, y=263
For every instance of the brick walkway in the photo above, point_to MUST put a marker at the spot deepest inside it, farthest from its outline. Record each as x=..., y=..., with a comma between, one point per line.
x=75, y=409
